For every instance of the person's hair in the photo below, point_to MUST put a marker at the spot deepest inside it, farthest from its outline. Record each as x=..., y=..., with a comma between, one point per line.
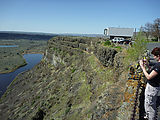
x=156, y=51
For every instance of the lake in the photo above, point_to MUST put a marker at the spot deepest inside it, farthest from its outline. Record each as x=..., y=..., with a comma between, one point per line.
x=6, y=79
x=2, y=46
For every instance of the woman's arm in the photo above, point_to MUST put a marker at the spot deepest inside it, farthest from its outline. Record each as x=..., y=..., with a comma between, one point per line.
x=148, y=76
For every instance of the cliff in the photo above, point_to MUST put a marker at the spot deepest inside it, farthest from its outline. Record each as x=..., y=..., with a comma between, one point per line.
x=78, y=79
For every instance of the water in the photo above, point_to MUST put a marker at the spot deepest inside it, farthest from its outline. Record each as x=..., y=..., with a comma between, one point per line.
x=2, y=46
x=6, y=79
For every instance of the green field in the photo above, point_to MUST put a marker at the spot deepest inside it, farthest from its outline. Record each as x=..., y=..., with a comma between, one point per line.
x=12, y=57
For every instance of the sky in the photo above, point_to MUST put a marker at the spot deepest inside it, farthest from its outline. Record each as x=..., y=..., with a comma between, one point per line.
x=76, y=16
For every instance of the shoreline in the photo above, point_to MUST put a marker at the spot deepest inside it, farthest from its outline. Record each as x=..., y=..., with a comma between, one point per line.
x=16, y=74
x=32, y=52
x=15, y=68
x=25, y=63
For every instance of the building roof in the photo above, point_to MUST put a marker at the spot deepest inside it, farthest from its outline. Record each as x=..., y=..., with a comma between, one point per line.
x=113, y=31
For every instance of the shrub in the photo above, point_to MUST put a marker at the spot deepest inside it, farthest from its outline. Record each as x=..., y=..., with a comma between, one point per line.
x=137, y=49
x=107, y=43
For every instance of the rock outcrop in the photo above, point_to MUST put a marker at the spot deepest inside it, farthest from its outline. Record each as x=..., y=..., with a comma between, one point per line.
x=78, y=79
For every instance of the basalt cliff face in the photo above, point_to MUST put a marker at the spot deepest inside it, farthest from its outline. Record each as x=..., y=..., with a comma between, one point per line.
x=78, y=79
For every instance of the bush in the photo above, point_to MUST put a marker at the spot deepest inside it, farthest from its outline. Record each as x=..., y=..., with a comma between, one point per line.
x=118, y=47
x=107, y=43
x=137, y=49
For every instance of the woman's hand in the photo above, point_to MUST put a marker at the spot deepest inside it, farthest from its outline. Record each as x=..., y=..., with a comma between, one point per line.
x=141, y=62
x=148, y=76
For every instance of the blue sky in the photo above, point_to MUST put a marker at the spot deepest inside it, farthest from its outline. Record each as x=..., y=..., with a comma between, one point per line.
x=75, y=16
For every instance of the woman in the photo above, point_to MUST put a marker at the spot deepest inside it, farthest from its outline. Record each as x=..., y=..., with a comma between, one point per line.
x=153, y=85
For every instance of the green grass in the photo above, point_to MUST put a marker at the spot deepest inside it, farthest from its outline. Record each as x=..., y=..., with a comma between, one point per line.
x=153, y=41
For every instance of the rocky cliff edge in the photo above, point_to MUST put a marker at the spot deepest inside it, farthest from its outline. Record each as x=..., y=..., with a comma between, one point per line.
x=78, y=79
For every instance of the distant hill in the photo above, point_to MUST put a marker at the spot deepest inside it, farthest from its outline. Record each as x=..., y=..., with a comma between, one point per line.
x=5, y=35
x=25, y=35
x=82, y=35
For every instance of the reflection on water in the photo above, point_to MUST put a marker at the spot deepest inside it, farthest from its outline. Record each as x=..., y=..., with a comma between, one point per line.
x=4, y=46
x=6, y=79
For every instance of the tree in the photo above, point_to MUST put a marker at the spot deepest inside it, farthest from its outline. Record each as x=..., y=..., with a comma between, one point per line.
x=156, y=28
x=147, y=29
